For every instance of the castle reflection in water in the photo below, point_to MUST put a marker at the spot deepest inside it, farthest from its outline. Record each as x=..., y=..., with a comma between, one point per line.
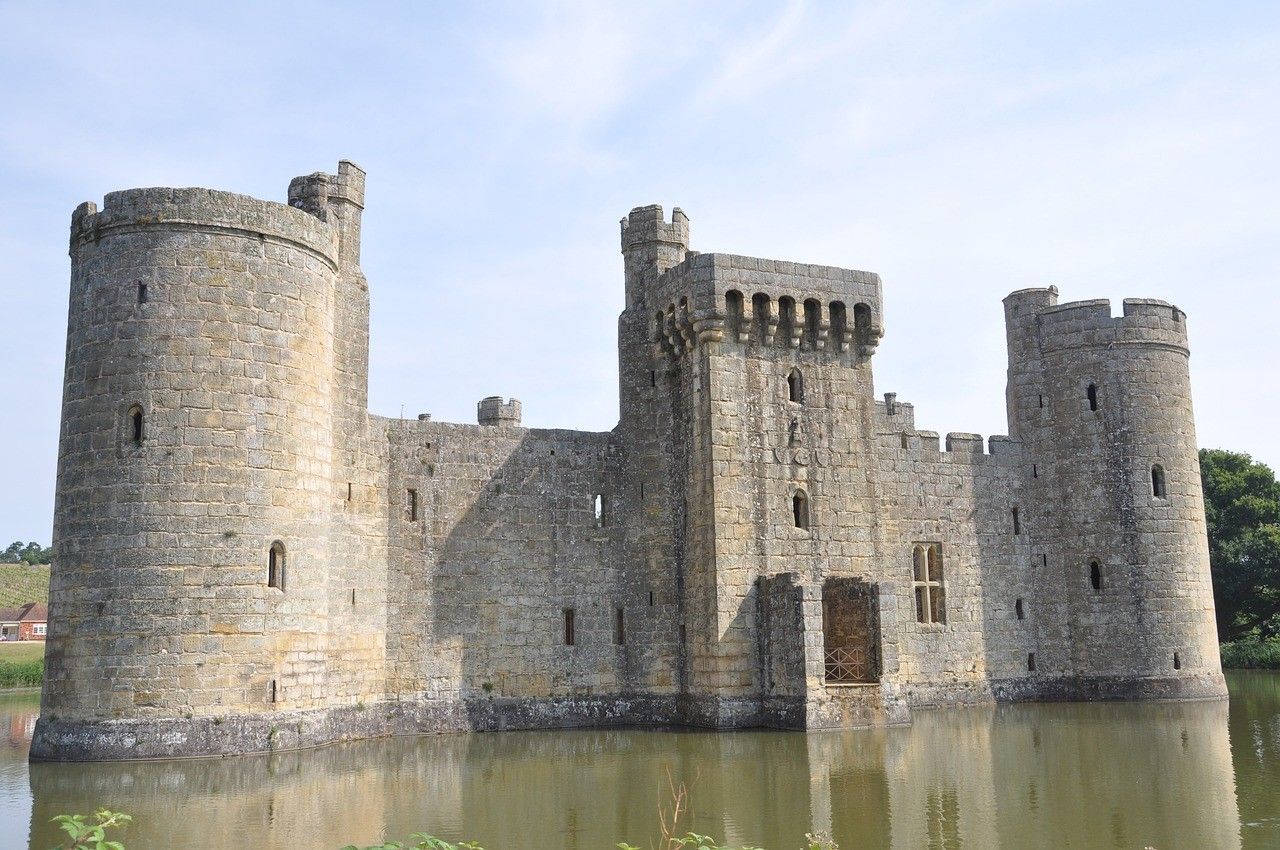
x=1086, y=775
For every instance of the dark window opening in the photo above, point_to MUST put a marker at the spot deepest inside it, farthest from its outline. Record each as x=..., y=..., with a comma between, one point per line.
x=351, y=488
x=1177, y=662
x=1044, y=559
x=795, y=386
x=1157, y=482
x=353, y=596
x=1095, y=575
x=1031, y=661
x=839, y=325
x=761, y=308
x=619, y=627
x=862, y=332
x=1092, y=393
x=1017, y=525
x=786, y=322
x=1018, y=609
x=849, y=631
x=137, y=429
x=275, y=566
x=142, y=293
x=812, y=318
x=800, y=509
x=273, y=690
x=1042, y=400
x=569, y=635
x=1035, y=471
x=653, y=378
x=733, y=311
x=411, y=505
x=651, y=599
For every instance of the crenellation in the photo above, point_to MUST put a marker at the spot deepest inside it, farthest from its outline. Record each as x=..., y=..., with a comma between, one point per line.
x=759, y=541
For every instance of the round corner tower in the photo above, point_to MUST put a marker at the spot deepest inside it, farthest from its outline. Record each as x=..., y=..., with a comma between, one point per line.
x=1103, y=406
x=189, y=583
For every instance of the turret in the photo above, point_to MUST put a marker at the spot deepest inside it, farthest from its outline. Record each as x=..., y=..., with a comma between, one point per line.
x=196, y=465
x=1103, y=406
x=650, y=246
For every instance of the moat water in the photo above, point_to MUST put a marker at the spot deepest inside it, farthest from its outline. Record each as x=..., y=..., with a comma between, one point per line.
x=1193, y=775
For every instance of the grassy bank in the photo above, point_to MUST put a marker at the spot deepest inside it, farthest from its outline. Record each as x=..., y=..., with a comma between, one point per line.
x=1251, y=653
x=21, y=664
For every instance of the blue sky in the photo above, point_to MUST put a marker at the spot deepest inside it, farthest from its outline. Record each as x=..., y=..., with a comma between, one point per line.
x=960, y=150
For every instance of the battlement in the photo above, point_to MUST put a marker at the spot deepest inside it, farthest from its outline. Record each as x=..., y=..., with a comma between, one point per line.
x=1090, y=324
x=202, y=210
x=646, y=225
x=772, y=303
x=493, y=411
x=314, y=193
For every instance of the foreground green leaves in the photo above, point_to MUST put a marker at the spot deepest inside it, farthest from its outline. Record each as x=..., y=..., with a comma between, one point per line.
x=83, y=835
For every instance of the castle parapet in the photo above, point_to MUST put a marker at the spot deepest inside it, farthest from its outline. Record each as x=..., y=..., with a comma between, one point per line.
x=493, y=411
x=203, y=210
x=1089, y=324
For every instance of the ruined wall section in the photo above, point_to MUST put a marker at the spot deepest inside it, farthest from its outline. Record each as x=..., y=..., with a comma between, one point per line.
x=960, y=497
x=501, y=540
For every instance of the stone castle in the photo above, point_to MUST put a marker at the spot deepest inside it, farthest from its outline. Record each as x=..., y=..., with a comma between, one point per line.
x=247, y=559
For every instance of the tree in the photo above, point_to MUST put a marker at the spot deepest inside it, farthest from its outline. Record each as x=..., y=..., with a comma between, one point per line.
x=1242, y=508
x=31, y=553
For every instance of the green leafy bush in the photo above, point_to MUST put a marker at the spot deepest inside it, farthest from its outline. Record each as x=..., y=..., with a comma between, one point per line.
x=1252, y=652
x=419, y=841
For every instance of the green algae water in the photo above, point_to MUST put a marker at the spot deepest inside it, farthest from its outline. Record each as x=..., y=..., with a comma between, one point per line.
x=1183, y=775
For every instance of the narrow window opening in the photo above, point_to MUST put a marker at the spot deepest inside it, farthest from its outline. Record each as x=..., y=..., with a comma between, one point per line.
x=411, y=505
x=1017, y=525
x=1157, y=482
x=1042, y=400
x=1044, y=559
x=137, y=429
x=598, y=506
x=275, y=566
x=1031, y=661
x=353, y=596
x=761, y=310
x=1035, y=471
x=812, y=318
x=839, y=325
x=651, y=599
x=682, y=634
x=1177, y=662
x=142, y=293
x=800, y=509
x=619, y=627
x=1019, y=610
x=733, y=311
x=786, y=321
x=906, y=444
x=1092, y=393
x=653, y=378
x=926, y=580
x=273, y=690
x=1095, y=575
x=795, y=386
x=641, y=489
x=350, y=491
x=569, y=635
x=862, y=332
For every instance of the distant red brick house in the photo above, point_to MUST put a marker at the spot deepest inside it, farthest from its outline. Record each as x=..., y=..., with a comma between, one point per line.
x=27, y=622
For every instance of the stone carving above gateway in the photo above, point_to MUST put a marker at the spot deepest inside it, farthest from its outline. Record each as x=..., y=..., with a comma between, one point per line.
x=247, y=559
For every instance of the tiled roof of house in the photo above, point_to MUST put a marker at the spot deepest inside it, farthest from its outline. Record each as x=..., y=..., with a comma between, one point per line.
x=32, y=612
